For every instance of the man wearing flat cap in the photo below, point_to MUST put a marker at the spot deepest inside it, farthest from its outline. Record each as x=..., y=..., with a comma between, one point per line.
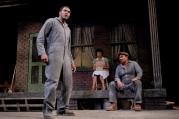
x=123, y=53
x=127, y=77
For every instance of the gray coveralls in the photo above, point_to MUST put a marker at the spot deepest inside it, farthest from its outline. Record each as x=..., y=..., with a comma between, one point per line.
x=126, y=75
x=57, y=37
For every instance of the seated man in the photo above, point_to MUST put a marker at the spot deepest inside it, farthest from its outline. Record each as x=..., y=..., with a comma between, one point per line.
x=100, y=67
x=127, y=77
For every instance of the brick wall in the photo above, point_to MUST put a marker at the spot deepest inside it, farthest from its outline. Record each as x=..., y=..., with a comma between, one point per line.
x=82, y=79
x=101, y=39
x=24, y=31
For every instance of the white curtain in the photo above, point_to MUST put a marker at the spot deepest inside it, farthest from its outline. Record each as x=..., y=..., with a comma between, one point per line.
x=115, y=37
x=83, y=51
x=123, y=34
x=130, y=37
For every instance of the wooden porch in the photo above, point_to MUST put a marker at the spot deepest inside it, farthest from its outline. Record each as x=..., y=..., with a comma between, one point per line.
x=27, y=101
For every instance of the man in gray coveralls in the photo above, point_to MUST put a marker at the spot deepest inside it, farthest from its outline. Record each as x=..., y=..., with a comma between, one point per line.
x=127, y=77
x=54, y=48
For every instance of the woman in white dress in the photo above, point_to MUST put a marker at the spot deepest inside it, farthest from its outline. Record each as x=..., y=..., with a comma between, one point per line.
x=101, y=69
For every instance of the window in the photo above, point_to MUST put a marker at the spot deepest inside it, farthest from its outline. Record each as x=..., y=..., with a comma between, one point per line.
x=123, y=38
x=82, y=45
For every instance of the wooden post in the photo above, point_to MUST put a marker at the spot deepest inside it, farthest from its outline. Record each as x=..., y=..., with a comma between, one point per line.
x=155, y=44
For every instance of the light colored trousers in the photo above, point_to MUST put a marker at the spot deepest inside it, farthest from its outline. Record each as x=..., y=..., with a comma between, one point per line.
x=135, y=87
x=53, y=83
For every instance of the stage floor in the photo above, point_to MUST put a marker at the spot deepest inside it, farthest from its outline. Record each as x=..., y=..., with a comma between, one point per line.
x=99, y=114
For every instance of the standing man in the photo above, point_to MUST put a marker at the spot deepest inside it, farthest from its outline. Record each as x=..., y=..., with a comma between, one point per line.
x=127, y=77
x=54, y=48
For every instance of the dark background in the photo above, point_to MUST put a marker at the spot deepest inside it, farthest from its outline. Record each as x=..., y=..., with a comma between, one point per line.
x=168, y=34
x=89, y=11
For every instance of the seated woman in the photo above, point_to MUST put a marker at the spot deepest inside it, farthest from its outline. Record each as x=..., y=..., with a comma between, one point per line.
x=101, y=69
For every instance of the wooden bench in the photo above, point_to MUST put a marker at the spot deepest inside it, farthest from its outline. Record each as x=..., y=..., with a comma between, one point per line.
x=152, y=98
x=86, y=94
x=97, y=94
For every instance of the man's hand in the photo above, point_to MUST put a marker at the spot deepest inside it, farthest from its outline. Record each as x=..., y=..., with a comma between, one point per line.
x=134, y=79
x=73, y=67
x=119, y=84
x=44, y=58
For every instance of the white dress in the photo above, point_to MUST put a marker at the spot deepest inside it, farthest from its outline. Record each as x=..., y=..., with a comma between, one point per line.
x=99, y=68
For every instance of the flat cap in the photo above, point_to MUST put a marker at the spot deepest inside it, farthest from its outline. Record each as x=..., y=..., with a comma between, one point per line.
x=123, y=53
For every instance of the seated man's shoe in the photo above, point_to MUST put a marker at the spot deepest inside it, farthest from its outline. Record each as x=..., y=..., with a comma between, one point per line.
x=112, y=107
x=65, y=112
x=137, y=107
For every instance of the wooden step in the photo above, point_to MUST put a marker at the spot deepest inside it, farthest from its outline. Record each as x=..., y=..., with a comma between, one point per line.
x=21, y=104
